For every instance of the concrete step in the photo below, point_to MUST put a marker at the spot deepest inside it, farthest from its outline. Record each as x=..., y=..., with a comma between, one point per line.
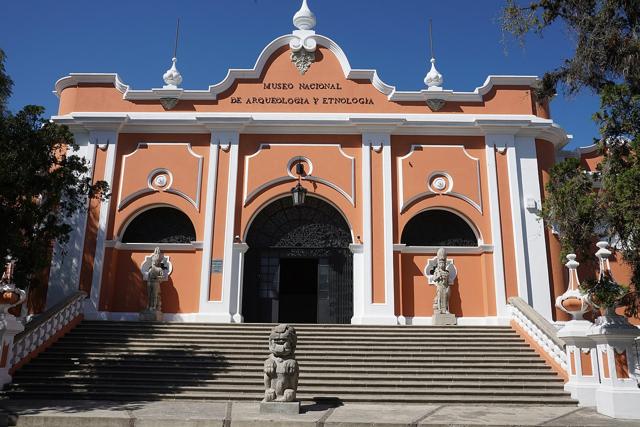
x=241, y=396
x=43, y=366
x=301, y=350
x=253, y=376
x=256, y=380
x=318, y=390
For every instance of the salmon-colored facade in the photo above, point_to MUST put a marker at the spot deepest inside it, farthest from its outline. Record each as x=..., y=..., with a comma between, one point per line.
x=390, y=176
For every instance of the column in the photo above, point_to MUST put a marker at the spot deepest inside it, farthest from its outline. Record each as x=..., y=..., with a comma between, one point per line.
x=533, y=227
x=375, y=313
x=493, y=141
x=104, y=140
x=223, y=310
x=239, y=249
x=209, y=212
x=66, y=261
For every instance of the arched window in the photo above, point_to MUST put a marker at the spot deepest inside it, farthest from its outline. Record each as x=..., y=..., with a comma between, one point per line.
x=160, y=225
x=438, y=228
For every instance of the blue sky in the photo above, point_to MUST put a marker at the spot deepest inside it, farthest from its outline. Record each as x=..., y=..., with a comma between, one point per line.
x=45, y=40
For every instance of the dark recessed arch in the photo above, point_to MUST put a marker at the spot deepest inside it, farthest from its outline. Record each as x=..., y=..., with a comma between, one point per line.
x=438, y=227
x=160, y=225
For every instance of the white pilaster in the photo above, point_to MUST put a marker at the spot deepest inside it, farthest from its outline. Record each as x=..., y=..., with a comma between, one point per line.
x=210, y=209
x=516, y=217
x=376, y=313
x=533, y=227
x=239, y=250
x=493, y=141
x=103, y=140
x=223, y=310
x=66, y=262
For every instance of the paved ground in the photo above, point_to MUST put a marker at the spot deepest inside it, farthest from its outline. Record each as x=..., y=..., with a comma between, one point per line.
x=204, y=414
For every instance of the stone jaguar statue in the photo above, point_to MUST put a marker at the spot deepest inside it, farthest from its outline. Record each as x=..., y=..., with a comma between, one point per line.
x=281, y=368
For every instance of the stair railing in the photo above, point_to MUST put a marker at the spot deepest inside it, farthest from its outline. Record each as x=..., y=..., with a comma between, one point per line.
x=45, y=329
x=539, y=330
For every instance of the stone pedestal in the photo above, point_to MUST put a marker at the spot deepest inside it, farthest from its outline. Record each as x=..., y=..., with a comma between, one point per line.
x=443, y=319
x=288, y=408
x=582, y=361
x=151, y=316
x=618, y=394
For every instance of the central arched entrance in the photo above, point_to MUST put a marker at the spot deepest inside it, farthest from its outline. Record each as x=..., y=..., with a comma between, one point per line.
x=298, y=268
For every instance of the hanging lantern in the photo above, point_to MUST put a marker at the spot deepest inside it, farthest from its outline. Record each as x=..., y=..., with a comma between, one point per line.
x=298, y=194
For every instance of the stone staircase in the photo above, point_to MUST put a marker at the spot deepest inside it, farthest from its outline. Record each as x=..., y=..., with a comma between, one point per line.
x=149, y=361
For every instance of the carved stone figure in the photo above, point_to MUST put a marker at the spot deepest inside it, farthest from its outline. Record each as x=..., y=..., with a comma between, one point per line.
x=441, y=280
x=154, y=275
x=281, y=368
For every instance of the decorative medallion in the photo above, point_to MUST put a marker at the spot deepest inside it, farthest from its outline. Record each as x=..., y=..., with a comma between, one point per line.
x=168, y=103
x=160, y=180
x=303, y=59
x=435, y=104
x=440, y=182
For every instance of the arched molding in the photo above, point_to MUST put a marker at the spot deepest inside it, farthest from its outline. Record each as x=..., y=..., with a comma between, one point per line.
x=470, y=223
x=136, y=213
x=125, y=200
x=250, y=195
x=257, y=212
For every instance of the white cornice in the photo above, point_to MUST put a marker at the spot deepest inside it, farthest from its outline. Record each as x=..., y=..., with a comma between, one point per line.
x=254, y=73
x=323, y=123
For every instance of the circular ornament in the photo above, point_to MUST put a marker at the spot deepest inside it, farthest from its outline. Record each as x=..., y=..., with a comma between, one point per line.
x=439, y=183
x=161, y=180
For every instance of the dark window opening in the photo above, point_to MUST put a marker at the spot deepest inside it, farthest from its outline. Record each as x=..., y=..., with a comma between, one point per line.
x=160, y=225
x=438, y=228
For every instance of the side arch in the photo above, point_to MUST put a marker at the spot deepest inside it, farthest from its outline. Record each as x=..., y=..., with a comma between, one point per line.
x=439, y=226
x=158, y=224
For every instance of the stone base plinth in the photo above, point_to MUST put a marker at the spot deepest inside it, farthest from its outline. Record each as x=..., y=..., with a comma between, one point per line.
x=280, y=408
x=151, y=316
x=443, y=319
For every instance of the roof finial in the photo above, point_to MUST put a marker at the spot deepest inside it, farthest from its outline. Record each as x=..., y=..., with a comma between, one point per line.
x=172, y=76
x=304, y=19
x=433, y=78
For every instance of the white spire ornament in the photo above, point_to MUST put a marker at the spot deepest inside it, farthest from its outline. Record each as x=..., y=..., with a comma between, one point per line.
x=303, y=46
x=433, y=79
x=172, y=77
x=304, y=19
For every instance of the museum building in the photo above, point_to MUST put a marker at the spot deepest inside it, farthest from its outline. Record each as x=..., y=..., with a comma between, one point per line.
x=305, y=191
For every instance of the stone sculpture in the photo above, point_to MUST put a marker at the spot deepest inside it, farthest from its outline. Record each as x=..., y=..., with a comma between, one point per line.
x=154, y=275
x=442, y=281
x=281, y=372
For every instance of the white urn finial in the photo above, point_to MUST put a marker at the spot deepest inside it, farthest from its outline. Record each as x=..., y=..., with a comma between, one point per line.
x=304, y=19
x=172, y=77
x=573, y=301
x=433, y=79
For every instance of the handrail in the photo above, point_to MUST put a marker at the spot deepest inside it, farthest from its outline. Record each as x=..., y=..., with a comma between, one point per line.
x=41, y=329
x=539, y=329
x=48, y=314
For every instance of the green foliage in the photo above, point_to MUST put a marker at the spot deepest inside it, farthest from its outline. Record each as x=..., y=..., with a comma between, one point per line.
x=606, y=60
x=571, y=208
x=41, y=186
x=604, y=291
x=606, y=34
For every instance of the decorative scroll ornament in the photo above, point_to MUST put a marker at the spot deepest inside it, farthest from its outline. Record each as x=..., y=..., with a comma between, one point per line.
x=435, y=104
x=573, y=301
x=303, y=45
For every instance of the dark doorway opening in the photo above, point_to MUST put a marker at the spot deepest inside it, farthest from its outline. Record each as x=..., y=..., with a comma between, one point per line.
x=298, y=268
x=298, y=290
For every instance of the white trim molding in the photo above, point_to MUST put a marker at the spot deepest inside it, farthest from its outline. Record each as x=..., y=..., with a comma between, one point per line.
x=66, y=261
x=491, y=143
x=321, y=123
x=451, y=250
x=109, y=140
